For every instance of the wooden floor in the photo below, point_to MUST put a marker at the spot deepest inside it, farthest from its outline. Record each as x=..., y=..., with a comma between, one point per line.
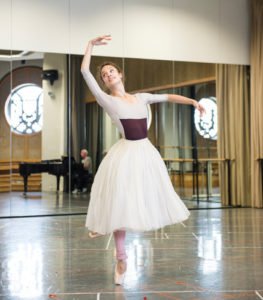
x=215, y=254
x=46, y=253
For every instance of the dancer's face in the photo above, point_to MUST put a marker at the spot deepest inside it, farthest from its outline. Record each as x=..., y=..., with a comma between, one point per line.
x=110, y=76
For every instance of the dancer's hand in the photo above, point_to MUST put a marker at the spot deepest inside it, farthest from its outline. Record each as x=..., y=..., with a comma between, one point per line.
x=100, y=40
x=199, y=107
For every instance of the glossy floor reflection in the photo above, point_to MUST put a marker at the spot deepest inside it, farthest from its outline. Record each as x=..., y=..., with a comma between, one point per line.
x=42, y=203
x=216, y=254
x=48, y=203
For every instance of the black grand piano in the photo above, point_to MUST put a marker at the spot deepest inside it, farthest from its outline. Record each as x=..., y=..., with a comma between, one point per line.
x=57, y=167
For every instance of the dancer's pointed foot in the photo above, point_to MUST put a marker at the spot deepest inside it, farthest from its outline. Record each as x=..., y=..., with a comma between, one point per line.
x=120, y=270
x=94, y=235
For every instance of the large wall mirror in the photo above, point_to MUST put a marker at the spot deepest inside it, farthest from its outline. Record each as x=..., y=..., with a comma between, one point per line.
x=47, y=120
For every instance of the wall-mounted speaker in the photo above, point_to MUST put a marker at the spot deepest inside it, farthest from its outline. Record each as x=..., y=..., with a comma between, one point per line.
x=50, y=75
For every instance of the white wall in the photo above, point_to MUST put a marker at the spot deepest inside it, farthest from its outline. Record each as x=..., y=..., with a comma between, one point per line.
x=54, y=114
x=5, y=25
x=184, y=30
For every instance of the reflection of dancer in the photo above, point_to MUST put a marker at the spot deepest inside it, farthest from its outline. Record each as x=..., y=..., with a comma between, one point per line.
x=132, y=189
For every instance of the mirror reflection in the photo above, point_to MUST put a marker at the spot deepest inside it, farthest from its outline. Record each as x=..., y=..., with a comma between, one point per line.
x=48, y=117
x=5, y=157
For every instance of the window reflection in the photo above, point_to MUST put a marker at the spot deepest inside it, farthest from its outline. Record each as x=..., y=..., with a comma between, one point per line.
x=207, y=124
x=210, y=249
x=24, y=109
x=24, y=271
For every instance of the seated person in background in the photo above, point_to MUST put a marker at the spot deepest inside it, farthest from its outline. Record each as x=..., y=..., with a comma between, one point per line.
x=86, y=160
x=83, y=175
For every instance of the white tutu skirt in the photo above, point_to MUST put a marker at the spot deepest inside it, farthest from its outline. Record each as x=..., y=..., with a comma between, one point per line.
x=133, y=191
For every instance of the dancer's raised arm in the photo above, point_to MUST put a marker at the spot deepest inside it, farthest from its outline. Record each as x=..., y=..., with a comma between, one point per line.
x=85, y=70
x=101, y=40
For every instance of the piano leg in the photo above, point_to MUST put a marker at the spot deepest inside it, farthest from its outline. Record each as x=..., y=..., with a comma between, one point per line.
x=25, y=184
x=58, y=180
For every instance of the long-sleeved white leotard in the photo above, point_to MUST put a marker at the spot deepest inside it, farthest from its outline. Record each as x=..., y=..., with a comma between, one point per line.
x=130, y=118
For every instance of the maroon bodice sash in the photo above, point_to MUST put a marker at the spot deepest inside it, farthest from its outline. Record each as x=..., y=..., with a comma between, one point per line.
x=134, y=129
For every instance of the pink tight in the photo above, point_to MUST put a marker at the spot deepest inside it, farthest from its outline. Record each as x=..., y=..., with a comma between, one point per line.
x=119, y=237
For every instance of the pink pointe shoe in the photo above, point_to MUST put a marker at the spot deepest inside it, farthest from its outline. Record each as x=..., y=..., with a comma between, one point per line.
x=118, y=278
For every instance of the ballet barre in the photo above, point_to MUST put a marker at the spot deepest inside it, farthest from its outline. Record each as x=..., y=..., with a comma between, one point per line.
x=185, y=147
x=168, y=161
x=196, y=171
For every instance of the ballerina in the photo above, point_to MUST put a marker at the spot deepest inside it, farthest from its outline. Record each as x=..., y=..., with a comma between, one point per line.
x=132, y=189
